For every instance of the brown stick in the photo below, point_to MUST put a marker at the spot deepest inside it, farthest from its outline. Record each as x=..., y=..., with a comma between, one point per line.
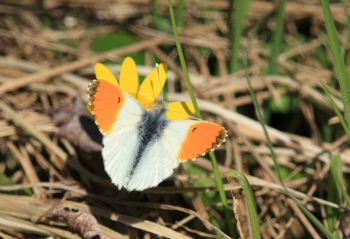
x=45, y=75
x=28, y=167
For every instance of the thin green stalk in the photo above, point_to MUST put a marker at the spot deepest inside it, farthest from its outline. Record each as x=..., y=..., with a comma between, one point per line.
x=338, y=174
x=253, y=215
x=336, y=109
x=338, y=59
x=241, y=8
x=277, y=37
x=219, y=182
x=246, y=186
x=333, y=214
x=183, y=63
x=347, y=130
x=336, y=191
x=320, y=225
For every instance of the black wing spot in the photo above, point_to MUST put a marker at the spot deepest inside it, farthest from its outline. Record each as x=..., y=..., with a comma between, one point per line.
x=194, y=129
x=118, y=99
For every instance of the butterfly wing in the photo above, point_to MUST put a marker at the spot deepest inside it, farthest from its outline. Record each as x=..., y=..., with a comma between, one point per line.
x=197, y=138
x=118, y=116
x=181, y=140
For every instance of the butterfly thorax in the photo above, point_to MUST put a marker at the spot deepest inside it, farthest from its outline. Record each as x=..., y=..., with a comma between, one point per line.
x=152, y=124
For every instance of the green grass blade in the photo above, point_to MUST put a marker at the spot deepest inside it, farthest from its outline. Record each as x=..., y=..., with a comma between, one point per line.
x=277, y=38
x=312, y=218
x=253, y=215
x=219, y=182
x=337, y=172
x=334, y=193
x=241, y=9
x=336, y=109
x=338, y=59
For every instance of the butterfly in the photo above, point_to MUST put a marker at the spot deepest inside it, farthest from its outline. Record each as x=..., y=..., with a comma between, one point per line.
x=142, y=147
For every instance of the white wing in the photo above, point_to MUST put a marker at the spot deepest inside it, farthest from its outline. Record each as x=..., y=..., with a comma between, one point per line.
x=121, y=145
x=121, y=139
x=160, y=158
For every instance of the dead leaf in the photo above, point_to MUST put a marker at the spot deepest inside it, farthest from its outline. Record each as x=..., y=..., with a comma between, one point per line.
x=78, y=219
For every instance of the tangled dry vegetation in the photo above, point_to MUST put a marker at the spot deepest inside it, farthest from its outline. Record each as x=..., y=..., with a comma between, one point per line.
x=50, y=163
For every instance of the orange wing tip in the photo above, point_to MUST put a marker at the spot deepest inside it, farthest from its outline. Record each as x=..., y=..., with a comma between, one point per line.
x=191, y=149
x=109, y=93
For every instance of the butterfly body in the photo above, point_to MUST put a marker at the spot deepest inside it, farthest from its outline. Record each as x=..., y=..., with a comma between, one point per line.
x=142, y=147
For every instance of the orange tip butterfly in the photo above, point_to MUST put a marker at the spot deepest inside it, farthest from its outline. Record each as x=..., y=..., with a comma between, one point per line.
x=142, y=147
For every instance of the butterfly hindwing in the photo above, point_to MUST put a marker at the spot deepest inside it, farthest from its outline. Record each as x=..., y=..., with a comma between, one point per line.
x=157, y=163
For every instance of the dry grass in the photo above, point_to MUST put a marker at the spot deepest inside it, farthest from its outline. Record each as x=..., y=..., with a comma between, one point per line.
x=47, y=165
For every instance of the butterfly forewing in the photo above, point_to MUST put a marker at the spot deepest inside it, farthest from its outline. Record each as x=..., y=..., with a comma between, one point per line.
x=118, y=116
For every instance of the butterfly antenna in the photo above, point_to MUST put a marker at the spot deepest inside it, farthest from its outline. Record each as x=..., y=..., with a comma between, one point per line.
x=160, y=85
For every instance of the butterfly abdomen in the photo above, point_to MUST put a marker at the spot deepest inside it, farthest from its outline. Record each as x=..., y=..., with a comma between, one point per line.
x=150, y=131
